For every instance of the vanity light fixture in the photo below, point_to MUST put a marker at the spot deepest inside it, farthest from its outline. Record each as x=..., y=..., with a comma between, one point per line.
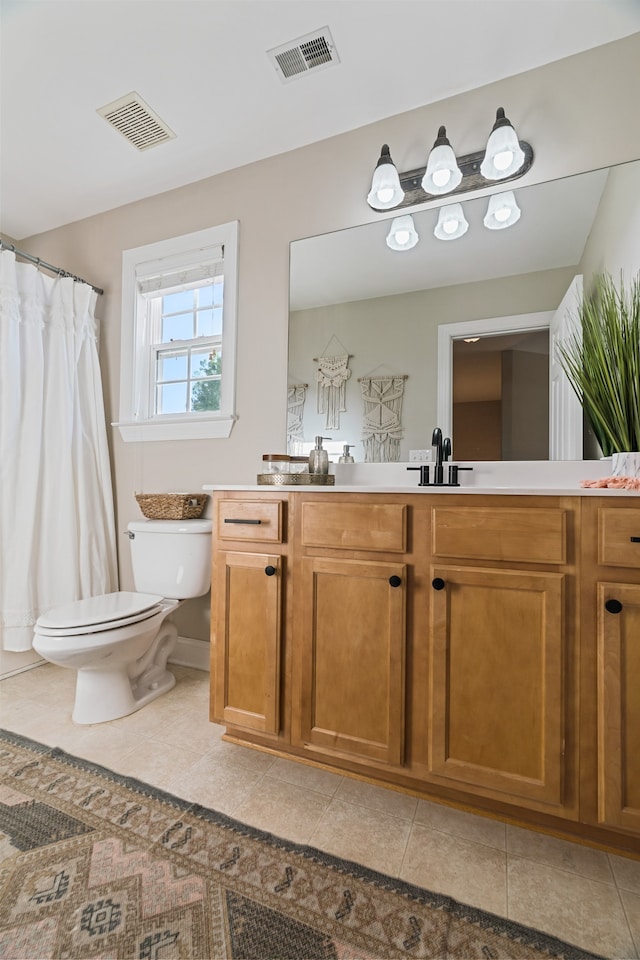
x=402, y=235
x=471, y=339
x=505, y=158
x=503, y=211
x=451, y=222
x=442, y=174
x=386, y=192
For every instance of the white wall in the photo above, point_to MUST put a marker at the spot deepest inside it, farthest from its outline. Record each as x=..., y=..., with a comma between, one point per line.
x=614, y=241
x=577, y=113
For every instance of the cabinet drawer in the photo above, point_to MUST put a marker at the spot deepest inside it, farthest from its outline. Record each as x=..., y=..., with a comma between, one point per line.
x=355, y=526
x=508, y=533
x=615, y=530
x=253, y=520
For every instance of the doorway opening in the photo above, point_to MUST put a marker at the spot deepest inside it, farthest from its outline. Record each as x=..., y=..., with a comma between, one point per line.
x=495, y=334
x=500, y=396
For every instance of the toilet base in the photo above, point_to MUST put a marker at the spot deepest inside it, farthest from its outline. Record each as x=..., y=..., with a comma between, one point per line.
x=103, y=695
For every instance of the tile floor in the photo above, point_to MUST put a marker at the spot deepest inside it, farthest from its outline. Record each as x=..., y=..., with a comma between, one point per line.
x=581, y=895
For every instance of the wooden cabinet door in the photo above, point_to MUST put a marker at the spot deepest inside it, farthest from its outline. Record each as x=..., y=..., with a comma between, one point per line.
x=619, y=705
x=497, y=665
x=352, y=658
x=247, y=640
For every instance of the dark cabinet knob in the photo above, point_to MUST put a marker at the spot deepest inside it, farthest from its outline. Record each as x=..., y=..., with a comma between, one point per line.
x=634, y=539
x=438, y=583
x=395, y=581
x=270, y=570
x=613, y=606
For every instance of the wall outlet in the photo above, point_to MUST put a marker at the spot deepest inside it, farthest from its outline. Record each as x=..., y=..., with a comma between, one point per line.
x=419, y=456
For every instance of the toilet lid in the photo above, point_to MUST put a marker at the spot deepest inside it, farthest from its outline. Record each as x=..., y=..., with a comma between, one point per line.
x=105, y=609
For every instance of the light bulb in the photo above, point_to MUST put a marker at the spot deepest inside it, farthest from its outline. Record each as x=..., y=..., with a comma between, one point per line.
x=385, y=194
x=503, y=160
x=504, y=155
x=402, y=235
x=451, y=222
x=441, y=177
x=502, y=211
x=442, y=174
x=386, y=191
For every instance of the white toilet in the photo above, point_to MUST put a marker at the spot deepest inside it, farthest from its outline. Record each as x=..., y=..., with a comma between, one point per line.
x=120, y=642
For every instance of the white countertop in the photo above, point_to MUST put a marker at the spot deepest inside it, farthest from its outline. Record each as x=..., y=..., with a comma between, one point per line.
x=369, y=488
x=509, y=478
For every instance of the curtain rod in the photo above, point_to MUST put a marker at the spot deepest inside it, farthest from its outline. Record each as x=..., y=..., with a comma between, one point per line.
x=47, y=266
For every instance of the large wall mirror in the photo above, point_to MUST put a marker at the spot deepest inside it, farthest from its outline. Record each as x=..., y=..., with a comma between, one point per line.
x=458, y=330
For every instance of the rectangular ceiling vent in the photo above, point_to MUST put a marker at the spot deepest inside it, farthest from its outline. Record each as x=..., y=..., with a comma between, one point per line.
x=312, y=52
x=136, y=121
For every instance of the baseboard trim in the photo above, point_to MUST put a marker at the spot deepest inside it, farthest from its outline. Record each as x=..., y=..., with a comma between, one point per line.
x=12, y=672
x=191, y=653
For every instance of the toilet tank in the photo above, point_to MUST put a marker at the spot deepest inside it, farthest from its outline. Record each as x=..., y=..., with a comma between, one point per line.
x=171, y=558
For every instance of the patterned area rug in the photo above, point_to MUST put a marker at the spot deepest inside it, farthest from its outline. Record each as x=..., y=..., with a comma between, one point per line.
x=96, y=865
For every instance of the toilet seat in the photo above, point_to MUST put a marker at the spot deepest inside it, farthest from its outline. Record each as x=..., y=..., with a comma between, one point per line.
x=95, y=614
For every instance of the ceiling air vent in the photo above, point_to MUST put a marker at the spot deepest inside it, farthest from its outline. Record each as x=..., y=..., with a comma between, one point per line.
x=311, y=52
x=136, y=121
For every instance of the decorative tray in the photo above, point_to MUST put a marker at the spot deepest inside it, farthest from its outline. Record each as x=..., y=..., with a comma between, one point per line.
x=297, y=479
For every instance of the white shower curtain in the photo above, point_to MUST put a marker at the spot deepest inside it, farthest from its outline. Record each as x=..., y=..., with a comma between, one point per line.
x=57, y=532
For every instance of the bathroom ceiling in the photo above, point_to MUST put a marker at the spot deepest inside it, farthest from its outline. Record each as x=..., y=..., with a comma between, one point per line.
x=203, y=67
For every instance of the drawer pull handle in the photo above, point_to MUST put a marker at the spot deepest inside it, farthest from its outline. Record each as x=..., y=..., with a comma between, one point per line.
x=438, y=583
x=270, y=570
x=613, y=606
x=235, y=520
x=634, y=539
x=395, y=581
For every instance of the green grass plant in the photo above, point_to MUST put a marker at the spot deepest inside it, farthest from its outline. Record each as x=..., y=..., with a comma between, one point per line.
x=602, y=362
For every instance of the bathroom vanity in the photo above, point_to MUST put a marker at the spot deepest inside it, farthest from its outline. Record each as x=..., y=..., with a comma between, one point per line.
x=473, y=647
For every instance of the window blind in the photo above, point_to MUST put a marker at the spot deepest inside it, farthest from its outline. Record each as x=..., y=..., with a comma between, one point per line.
x=172, y=274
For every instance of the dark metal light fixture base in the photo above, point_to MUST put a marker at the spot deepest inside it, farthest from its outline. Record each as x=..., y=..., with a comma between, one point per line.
x=472, y=179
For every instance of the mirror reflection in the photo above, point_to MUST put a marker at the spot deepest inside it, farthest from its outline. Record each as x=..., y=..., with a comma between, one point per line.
x=384, y=344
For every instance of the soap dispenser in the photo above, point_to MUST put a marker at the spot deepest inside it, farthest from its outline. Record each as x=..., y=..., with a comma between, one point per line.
x=346, y=456
x=319, y=458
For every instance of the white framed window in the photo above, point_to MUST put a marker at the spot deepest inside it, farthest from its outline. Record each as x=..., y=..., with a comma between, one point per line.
x=178, y=353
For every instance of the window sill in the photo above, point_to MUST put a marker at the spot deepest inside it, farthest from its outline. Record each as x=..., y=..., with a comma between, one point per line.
x=176, y=429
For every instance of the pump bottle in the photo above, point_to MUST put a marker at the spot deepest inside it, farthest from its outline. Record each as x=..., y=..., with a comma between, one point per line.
x=319, y=458
x=346, y=456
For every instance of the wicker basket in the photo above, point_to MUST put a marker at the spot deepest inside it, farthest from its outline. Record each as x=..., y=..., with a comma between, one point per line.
x=172, y=506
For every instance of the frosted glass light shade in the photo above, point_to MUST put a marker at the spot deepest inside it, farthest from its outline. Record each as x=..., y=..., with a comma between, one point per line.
x=451, y=223
x=503, y=156
x=503, y=211
x=442, y=174
x=386, y=192
x=402, y=235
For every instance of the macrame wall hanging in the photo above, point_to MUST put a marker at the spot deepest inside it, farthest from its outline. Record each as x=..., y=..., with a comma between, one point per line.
x=296, y=395
x=331, y=380
x=382, y=417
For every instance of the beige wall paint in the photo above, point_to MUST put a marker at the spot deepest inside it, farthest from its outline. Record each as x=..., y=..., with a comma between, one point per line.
x=525, y=405
x=574, y=112
x=477, y=427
